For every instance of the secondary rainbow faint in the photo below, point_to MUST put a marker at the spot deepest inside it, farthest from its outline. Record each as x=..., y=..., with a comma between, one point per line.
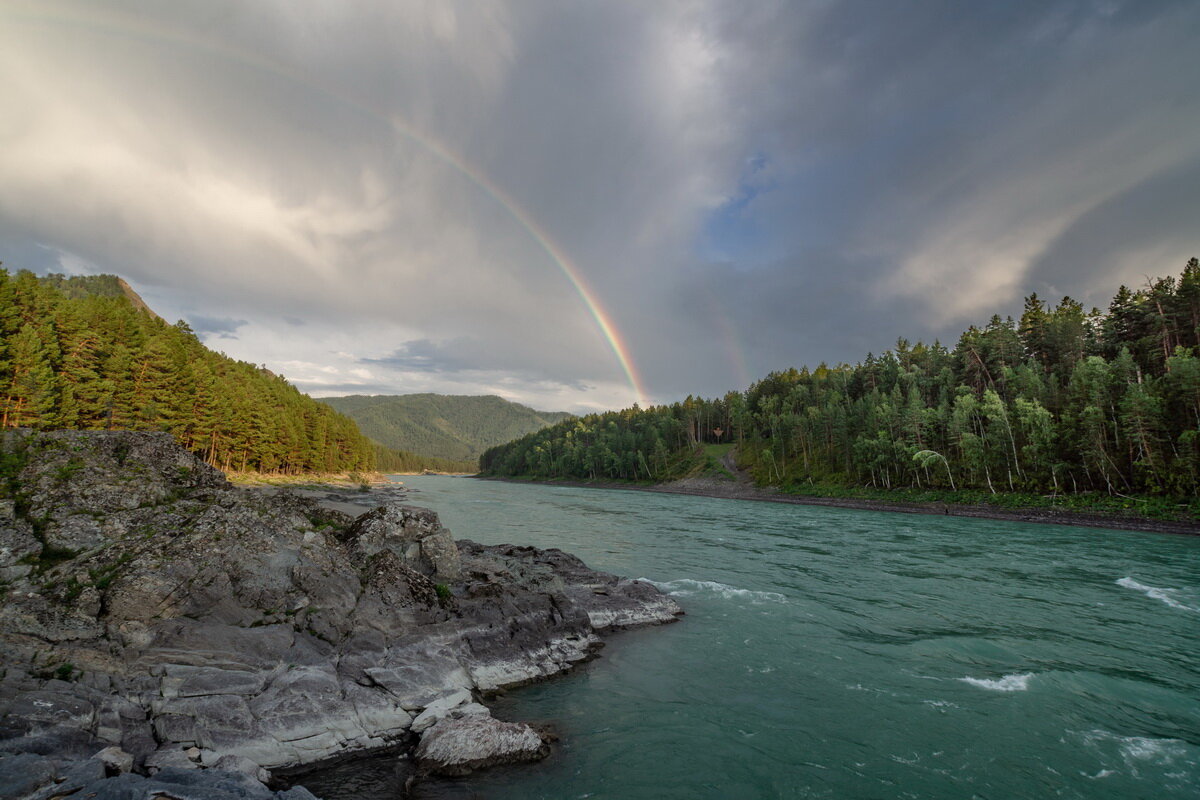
x=113, y=23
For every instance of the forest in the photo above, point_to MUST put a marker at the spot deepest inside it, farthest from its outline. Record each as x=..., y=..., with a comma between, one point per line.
x=454, y=428
x=84, y=352
x=388, y=459
x=1062, y=401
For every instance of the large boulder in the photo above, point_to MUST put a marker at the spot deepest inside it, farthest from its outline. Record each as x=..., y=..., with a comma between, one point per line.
x=461, y=744
x=414, y=535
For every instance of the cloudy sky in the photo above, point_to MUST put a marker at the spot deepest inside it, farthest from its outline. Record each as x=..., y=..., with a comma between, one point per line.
x=577, y=205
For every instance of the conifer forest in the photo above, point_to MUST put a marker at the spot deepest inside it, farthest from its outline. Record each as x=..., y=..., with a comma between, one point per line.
x=1060, y=401
x=78, y=353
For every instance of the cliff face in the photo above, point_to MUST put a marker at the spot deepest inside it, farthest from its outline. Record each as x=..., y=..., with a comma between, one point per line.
x=150, y=606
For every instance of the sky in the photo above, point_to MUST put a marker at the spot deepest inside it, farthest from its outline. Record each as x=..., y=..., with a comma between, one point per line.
x=583, y=205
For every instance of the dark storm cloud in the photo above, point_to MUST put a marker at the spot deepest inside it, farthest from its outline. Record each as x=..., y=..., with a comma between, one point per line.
x=420, y=355
x=932, y=163
x=17, y=253
x=222, y=327
x=442, y=193
x=1138, y=229
x=463, y=356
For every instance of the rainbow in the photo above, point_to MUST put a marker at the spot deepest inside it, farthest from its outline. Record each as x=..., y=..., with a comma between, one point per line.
x=133, y=27
x=619, y=347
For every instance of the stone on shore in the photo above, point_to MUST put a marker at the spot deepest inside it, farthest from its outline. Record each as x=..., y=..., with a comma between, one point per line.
x=115, y=760
x=457, y=745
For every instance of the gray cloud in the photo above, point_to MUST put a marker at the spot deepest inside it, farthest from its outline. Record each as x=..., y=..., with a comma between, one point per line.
x=17, y=253
x=464, y=356
x=443, y=192
x=221, y=327
x=421, y=355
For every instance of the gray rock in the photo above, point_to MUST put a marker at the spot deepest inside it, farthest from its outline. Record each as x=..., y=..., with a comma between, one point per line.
x=17, y=542
x=115, y=759
x=245, y=766
x=413, y=534
x=185, y=681
x=209, y=784
x=439, y=709
x=45, y=709
x=71, y=778
x=470, y=709
x=471, y=742
x=191, y=614
x=22, y=774
x=168, y=757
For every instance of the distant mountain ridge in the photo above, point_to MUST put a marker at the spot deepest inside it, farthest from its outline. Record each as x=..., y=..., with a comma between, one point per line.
x=458, y=427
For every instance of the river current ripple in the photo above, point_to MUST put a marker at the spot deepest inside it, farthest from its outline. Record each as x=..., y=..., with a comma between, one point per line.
x=850, y=654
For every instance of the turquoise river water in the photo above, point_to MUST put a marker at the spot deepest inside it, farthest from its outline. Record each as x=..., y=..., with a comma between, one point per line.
x=852, y=654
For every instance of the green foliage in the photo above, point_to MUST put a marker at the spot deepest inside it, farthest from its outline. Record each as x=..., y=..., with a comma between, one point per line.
x=49, y=556
x=714, y=455
x=451, y=427
x=443, y=592
x=72, y=590
x=87, y=353
x=68, y=470
x=64, y=672
x=1099, y=408
x=388, y=460
x=13, y=458
x=322, y=522
x=103, y=577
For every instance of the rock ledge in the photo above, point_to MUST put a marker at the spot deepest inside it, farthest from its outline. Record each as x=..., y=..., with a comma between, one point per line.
x=152, y=611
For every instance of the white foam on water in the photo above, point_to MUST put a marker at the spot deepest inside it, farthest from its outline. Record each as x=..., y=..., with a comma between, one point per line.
x=1165, y=595
x=1139, y=752
x=1017, y=682
x=1142, y=748
x=939, y=704
x=686, y=587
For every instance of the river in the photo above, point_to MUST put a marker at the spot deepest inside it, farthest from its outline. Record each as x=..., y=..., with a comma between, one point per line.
x=854, y=654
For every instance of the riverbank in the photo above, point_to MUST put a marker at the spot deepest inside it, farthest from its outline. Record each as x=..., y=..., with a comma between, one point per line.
x=305, y=480
x=160, y=623
x=734, y=489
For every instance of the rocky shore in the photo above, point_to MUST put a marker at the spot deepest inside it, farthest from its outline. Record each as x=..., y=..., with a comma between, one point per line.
x=163, y=632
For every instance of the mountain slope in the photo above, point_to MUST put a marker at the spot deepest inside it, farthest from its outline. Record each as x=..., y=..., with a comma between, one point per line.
x=76, y=287
x=458, y=427
x=87, y=353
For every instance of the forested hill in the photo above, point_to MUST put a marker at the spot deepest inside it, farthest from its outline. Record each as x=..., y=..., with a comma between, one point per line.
x=457, y=427
x=86, y=353
x=79, y=286
x=1059, y=401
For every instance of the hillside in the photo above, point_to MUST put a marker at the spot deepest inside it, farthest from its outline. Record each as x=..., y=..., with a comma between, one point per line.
x=456, y=427
x=76, y=287
x=87, y=353
x=1098, y=408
